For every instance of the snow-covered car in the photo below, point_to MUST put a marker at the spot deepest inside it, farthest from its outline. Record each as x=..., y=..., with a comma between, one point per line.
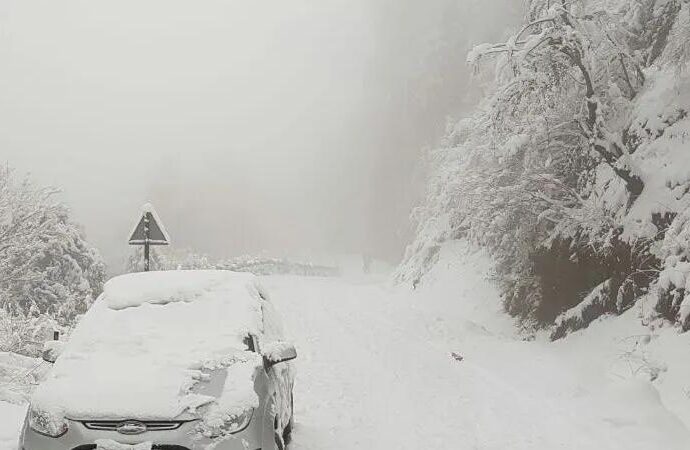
x=171, y=361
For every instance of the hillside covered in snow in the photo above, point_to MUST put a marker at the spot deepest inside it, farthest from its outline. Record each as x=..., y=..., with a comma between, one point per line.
x=574, y=172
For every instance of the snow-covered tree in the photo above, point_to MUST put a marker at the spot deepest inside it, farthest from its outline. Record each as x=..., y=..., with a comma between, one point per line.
x=558, y=171
x=47, y=268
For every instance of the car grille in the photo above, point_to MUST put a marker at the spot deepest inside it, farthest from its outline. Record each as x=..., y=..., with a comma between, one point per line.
x=111, y=425
x=154, y=447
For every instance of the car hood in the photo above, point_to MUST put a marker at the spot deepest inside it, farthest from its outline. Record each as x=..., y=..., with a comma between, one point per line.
x=148, y=394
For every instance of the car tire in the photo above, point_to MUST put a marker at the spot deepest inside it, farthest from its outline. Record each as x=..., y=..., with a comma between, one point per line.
x=278, y=436
x=287, y=432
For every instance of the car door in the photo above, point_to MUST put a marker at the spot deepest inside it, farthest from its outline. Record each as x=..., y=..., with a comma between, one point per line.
x=280, y=375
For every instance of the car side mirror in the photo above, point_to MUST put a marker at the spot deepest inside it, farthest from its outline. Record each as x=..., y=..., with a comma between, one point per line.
x=52, y=350
x=278, y=352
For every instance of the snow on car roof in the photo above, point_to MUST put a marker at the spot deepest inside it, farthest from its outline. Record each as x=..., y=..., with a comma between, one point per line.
x=141, y=347
x=164, y=287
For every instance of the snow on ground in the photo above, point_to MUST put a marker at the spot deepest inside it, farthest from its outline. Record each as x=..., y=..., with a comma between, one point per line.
x=11, y=419
x=18, y=375
x=376, y=371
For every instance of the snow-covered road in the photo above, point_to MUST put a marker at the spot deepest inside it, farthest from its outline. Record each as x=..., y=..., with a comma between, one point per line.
x=375, y=372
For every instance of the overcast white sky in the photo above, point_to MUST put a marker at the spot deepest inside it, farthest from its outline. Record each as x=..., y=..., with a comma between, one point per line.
x=291, y=127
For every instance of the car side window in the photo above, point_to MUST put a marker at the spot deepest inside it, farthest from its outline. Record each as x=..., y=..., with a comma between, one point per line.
x=252, y=343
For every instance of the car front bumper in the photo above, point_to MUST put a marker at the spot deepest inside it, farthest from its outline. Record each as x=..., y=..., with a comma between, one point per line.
x=78, y=437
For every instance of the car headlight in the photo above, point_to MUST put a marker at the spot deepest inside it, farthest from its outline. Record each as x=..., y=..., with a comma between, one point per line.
x=47, y=423
x=234, y=424
x=215, y=425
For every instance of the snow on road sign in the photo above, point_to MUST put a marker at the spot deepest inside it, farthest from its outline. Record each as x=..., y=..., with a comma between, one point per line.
x=149, y=229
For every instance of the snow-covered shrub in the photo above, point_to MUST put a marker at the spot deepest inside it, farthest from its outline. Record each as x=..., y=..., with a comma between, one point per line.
x=185, y=259
x=165, y=258
x=26, y=335
x=571, y=269
x=597, y=303
x=18, y=376
x=673, y=287
x=574, y=165
x=48, y=270
x=260, y=265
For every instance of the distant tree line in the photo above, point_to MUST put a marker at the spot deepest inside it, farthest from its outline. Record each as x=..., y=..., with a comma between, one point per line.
x=186, y=259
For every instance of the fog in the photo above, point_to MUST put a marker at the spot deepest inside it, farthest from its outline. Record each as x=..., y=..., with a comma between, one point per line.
x=284, y=127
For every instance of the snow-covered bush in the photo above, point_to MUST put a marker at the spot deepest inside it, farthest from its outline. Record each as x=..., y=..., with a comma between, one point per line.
x=185, y=259
x=165, y=258
x=18, y=376
x=574, y=165
x=260, y=265
x=673, y=287
x=48, y=271
x=26, y=335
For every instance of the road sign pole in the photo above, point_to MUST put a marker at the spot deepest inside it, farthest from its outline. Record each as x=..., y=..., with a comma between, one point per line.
x=146, y=257
x=146, y=242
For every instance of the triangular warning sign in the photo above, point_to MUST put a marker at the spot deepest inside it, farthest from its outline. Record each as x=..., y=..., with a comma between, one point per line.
x=149, y=229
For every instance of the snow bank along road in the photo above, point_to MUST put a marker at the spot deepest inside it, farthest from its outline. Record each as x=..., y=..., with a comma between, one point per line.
x=375, y=372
